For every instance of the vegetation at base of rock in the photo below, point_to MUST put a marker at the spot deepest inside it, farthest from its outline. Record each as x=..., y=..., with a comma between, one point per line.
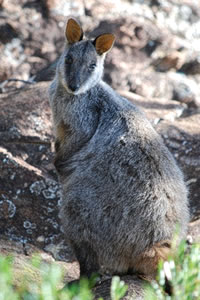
x=49, y=285
x=182, y=271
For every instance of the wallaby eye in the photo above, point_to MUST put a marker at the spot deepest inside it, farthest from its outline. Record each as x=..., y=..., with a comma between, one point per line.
x=68, y=60
x=92, y=66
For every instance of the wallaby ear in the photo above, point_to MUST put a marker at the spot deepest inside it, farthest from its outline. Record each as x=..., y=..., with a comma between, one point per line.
x=73, y=31
x=104, y=42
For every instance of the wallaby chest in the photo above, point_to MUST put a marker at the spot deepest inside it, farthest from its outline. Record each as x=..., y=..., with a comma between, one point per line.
x=76, y=119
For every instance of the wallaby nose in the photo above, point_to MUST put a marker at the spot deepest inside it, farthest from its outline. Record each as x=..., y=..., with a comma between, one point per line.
x=74, y=86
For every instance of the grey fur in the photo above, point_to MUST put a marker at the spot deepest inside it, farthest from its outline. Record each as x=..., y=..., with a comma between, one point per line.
x=123, y=192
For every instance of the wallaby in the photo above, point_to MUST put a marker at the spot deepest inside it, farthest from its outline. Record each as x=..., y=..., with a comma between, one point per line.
x=124, y=196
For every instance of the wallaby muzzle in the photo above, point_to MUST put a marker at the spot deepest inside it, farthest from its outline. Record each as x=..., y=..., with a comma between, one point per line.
x=74, y=86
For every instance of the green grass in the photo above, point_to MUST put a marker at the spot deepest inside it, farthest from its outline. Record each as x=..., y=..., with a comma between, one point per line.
x=182, y=270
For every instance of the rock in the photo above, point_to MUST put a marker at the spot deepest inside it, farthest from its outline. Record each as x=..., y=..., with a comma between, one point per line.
x=30, y=193
x=23, y=268
x=184, y=89
x=173, y=60
x=135, y=289
x=46, y=74
x=7, y=33
x=191, y=67
x=194, y=231
x=156, y=109
x=25, y=125
x=182, y=136
x=184, y=94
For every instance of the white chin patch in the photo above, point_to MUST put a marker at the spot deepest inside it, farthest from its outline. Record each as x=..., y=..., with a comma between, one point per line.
x=81, y=90
x=86, y=86
x=68, y=90
x=77, y=92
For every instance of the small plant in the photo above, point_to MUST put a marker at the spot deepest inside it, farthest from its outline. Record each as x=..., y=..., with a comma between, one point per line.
x=118, y=288
x=183, y=274
x=48, y=284
x=6, y=278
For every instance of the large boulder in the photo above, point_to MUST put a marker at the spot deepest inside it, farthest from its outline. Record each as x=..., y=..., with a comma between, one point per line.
x=30, y=192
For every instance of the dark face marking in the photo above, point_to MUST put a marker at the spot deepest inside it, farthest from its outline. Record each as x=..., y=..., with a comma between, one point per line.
x=80, y=62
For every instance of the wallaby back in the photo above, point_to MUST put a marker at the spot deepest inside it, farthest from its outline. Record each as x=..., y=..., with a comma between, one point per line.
x=124, y=196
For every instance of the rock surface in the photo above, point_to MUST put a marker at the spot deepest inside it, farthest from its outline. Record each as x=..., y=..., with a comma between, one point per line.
x=30, y=192
x=23, y=268
x=154, y=63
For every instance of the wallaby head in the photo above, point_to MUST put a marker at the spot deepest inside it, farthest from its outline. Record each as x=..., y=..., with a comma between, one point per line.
x=81, y=64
